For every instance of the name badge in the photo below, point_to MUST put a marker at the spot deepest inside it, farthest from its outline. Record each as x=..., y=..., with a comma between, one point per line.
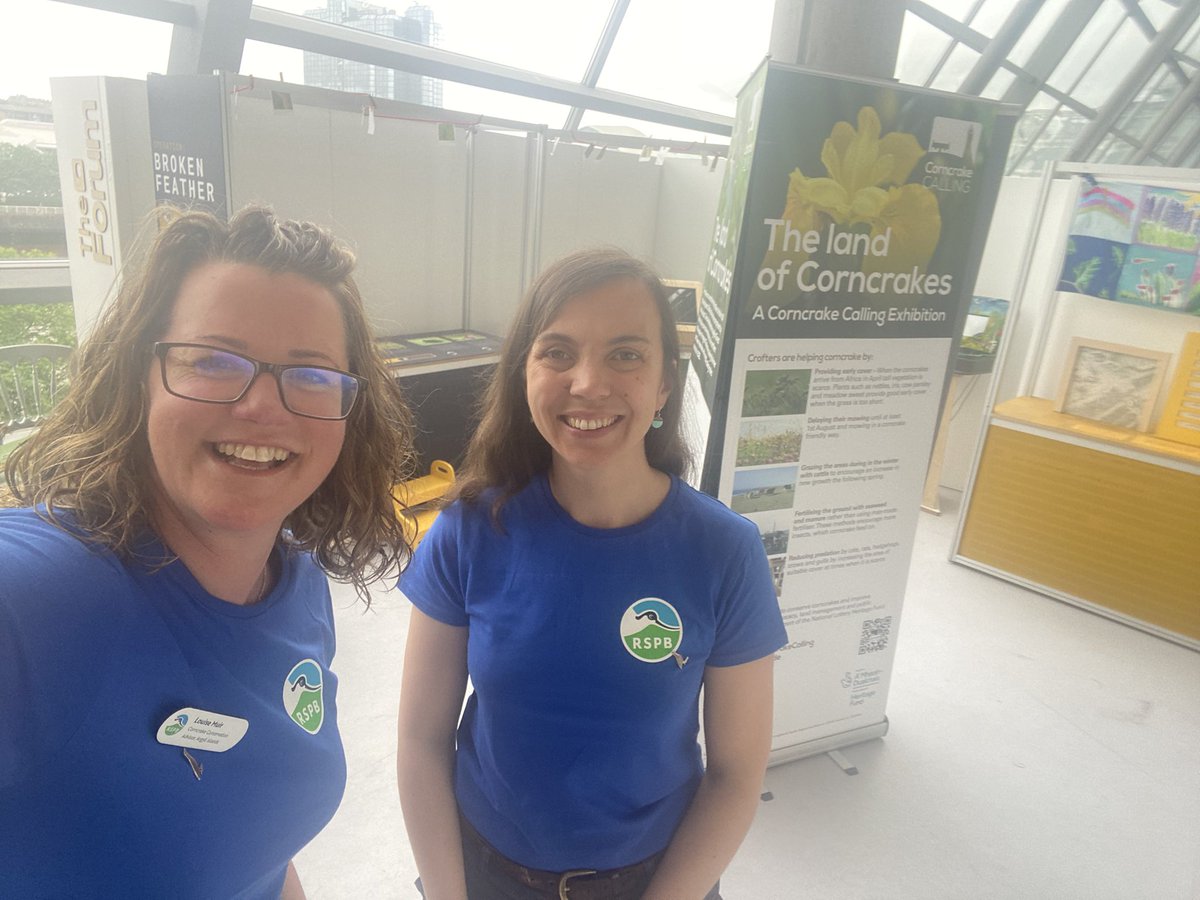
x=199, y=729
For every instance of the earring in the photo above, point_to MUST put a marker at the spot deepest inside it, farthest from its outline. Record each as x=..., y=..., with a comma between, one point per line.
x=658, y=420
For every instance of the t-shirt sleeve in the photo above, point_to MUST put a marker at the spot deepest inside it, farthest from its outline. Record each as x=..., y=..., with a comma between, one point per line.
x=749, y=622
x=53, y=617
x=433, y=580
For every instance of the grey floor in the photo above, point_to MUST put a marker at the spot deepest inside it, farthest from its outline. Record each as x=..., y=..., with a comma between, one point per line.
x=1035, y=751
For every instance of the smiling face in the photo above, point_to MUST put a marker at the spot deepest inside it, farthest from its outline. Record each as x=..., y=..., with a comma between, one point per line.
x=241, y=468
x=595, y=377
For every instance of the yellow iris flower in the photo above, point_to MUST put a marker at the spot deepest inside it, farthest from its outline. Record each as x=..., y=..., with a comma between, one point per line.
x=865, y=185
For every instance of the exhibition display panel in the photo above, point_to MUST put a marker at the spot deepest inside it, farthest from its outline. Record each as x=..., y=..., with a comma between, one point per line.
x=847, y=242
x=1087, y=479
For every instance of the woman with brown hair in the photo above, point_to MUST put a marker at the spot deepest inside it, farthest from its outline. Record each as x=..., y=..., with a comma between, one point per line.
x=589, y=594
x=230, y=438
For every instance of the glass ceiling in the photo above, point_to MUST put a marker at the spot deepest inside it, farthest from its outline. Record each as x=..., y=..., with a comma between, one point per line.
x=1109, y=80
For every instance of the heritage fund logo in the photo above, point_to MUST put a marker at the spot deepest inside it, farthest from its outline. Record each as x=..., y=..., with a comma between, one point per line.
x=950, y=165
x=302, y=695
x=651, y=630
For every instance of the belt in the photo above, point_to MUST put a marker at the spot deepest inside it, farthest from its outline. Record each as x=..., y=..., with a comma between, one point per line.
x=575, y=884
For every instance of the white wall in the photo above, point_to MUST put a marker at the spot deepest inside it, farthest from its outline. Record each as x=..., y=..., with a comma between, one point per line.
x=502, y=219
x=999, y=271
x=398, y=196
x=687, y=212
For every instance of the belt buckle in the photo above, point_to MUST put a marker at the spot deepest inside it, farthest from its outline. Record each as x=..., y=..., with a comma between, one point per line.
x=563, y=887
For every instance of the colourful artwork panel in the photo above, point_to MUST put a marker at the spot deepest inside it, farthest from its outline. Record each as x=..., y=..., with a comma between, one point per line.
x=1169, y=219
x=1107, y=209
x=1136, y=244
x=1093, y=266
x=1154, y=276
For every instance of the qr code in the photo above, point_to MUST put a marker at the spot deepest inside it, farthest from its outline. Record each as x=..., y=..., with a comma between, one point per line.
x=875, y=634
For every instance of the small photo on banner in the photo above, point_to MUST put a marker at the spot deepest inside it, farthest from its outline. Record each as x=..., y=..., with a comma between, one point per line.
x=1135, y=244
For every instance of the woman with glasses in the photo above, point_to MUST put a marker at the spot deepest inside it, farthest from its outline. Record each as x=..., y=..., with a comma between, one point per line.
x=167, y=709
x=589, y=594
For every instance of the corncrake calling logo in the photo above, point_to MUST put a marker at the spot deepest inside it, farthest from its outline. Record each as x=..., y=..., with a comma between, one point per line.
x=651, y=630
x=302, y=695
x=177, y=726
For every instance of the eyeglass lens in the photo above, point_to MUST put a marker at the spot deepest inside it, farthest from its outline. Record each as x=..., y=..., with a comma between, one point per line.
x=218, y=376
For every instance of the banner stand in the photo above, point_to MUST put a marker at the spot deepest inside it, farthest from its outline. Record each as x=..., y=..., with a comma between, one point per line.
x=848, y=236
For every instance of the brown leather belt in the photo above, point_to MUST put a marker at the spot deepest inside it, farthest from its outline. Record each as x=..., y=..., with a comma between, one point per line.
x=576, y=884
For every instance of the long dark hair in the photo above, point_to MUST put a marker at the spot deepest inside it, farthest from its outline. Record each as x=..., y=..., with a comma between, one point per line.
x=507, y=450
x=91, y=455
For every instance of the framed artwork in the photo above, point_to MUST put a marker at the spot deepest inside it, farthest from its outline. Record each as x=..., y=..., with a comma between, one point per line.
x=1111, y=383
x=981, y=336
x=1181, y=413
x=685, y=300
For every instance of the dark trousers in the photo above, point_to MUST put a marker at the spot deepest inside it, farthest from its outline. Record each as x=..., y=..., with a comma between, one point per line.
x=492, y=876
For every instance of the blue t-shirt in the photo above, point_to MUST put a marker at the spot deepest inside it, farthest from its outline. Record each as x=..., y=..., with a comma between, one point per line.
x=95, y=655
x=586, y=650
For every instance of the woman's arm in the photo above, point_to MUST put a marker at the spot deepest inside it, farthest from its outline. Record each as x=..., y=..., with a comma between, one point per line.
x=737, y=735
x=292, y=888
x=431, y=694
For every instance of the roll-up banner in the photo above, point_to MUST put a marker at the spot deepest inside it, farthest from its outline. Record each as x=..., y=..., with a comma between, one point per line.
x=188, y=142
x=849, y=232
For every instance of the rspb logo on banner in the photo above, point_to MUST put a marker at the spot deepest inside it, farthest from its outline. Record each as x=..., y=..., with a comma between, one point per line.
x=958, y=138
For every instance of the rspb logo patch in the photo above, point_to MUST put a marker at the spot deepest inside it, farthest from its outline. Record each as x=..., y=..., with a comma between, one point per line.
x=651, y=630
x=302, y=698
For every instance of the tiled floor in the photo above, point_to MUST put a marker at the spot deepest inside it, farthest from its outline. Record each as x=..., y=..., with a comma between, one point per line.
x=1035, y=751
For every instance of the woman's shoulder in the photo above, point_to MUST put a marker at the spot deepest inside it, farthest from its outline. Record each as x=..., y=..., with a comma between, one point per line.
x=31, y=531
x=493, y=506
x=707, y=511
x=37, y=556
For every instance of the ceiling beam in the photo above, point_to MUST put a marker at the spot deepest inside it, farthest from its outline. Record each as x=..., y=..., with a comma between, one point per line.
x=1049, y=54
x=998, y=48
x=175, y=12
x=591, y=77
x=273, y=27
x=1177, y=26
x=214, y=41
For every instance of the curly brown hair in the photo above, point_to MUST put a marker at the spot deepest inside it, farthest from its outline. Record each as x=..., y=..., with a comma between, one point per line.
x=91, y=456
x=506, y=450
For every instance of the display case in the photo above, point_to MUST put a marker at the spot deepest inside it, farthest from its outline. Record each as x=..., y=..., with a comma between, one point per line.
x=1075, y=491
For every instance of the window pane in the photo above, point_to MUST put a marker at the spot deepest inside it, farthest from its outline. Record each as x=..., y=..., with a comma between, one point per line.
x=667, y=51
x=1036, y=31
x=1044, y=133
x=999, y=84
x=546, y=36
x=992, y=16
x=956, y=69
x=1113, y=64
x=1140, y=116
x=605, y=123
x=1114, y=150
x=1158, y=12
x=1192, y=160
x=46, y=40
x=1077, y=60
x=41, y=41
x=1182, y=130
x=272, y=61
x=1190, y=45
x=470, y=99
x=956, y=9
x=921, y=46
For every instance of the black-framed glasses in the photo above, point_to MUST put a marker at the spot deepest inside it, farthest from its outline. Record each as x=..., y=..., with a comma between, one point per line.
x=215, y=375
